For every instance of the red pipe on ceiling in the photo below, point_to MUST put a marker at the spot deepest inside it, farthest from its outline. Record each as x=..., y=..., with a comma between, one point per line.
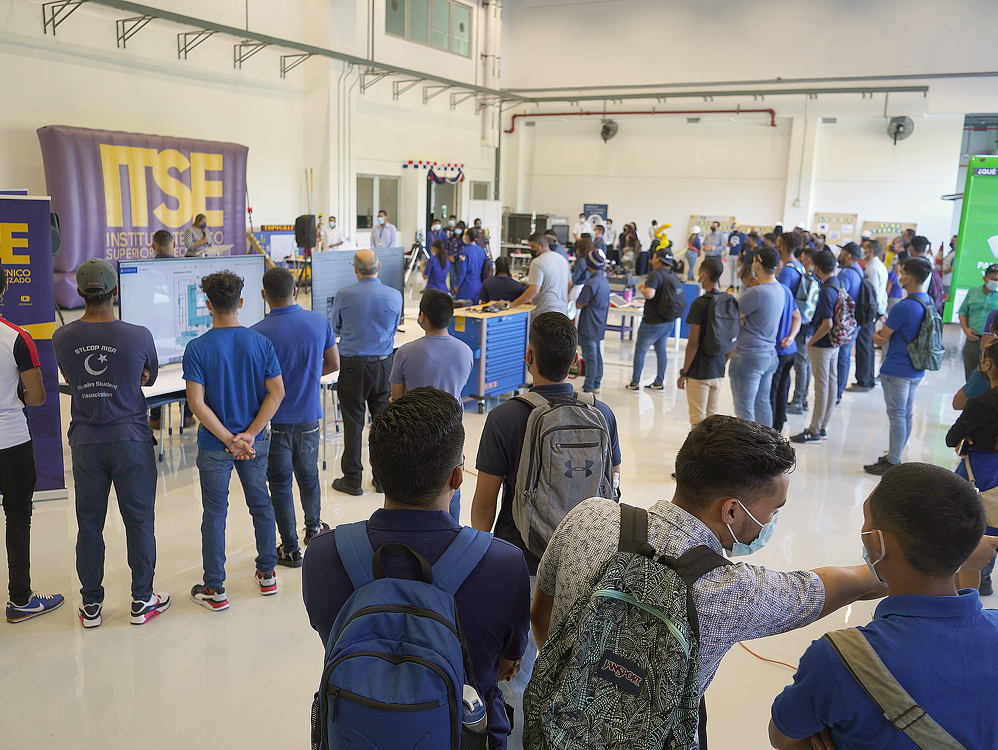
x=770, y=112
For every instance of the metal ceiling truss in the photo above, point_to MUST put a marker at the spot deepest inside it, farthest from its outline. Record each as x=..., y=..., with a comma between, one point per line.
x=401, y=86
x=188, y=40
x=709, y=96
x=55, y=13
x=129, y=27
x=290, y=62
x=239, y=56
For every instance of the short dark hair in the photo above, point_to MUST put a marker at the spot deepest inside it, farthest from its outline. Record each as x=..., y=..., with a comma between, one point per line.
x=991, y=351
x=502, y=265
x=919, y=244
x=791, y=240
x=223, y=289
x=554, y=338
x=713, y=267
x=876, y=246
x=583, y=247
x=917, y=268
x=162, y=238
x=278, y=283
x=540, y=238
x=600, y=228
x=993, y=268
x=825, y=261
x=470, y=236
x=936, y=516
x=807, y=252
x=771, y=236
x=438, y=307
x=726, y=456
x=415, y=445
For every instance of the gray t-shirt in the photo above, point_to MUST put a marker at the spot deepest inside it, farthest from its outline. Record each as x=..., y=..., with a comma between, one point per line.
x=761, y=307
x=550, y=272
x=442, y=362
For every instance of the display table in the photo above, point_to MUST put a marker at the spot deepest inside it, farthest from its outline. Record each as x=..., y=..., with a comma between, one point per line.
x=498, y=341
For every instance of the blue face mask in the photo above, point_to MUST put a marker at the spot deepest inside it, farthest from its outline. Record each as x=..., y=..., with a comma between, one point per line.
x=739, y=550
x=381, y=219
x=872, y=563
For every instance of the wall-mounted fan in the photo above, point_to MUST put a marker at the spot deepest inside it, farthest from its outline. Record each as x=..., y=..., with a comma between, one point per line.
x=899, y=128
x=608, y=131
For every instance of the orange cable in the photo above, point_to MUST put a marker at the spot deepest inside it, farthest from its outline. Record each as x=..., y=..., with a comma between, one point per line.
x=771, y=661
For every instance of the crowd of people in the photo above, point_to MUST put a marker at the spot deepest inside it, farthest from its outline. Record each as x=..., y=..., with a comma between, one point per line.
x=255, y=392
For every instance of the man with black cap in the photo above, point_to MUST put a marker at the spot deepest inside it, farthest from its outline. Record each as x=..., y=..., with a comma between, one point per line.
x=851, y=277
x=106, y=361
x=654, y=329
x=593, y=305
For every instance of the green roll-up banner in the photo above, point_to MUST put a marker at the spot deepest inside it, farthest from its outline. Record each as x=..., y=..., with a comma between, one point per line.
x=977, y=244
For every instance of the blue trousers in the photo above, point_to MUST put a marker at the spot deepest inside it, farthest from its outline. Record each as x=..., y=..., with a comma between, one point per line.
x=656, y=335
x=593, y=359
x=751, y=376
x=294, y=451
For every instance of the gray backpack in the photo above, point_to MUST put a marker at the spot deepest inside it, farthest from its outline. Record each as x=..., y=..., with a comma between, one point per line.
x=565, y=459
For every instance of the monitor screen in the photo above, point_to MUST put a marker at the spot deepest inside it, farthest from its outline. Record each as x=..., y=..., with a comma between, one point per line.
x=165, y=296
x=333, y=270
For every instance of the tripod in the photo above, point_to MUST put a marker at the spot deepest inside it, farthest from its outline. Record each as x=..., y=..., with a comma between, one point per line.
x=416, y=253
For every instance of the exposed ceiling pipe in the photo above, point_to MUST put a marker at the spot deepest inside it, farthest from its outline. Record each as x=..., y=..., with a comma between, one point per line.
x=770, y=112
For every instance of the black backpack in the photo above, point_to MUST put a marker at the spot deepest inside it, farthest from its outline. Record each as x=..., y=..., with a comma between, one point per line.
x=670, y=302
x=720, y=333
x=866, y=303
x=487, y=269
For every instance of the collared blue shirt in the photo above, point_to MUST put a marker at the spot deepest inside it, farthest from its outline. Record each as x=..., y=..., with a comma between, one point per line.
x=300, y=337
x=469, y=277
x=383, y=235
x=942, y=649
x=595, y=301
x=440, y=234
x=851, y=279
x=365, y=318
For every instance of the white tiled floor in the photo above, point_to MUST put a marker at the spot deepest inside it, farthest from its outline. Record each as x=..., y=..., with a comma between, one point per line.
x=245, y=677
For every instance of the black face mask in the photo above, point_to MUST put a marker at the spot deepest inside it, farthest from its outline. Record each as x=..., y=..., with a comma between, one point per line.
x=533, y=253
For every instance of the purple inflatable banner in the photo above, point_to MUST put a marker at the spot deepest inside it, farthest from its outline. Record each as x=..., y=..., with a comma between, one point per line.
x=113, y=191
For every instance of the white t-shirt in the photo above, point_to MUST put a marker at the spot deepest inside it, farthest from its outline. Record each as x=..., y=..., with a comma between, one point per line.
x=581, y=228
x=550, y=272
x=330, y=237
x=17, y=355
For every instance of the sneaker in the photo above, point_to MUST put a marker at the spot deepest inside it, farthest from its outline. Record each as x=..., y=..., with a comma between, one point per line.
x=340, y=485
x=267, y=582
x=633, y=387
x=857, y=388
x=143, y=612
x=288, y=559
x=90, y=614
x=310, y=534
x=655, y=387
x=213, y=599
x=805, y=437
x=879, y=468
x=794, y=409
x=822, y=434
x=38, y=604
x=986, y=589
x=806, y=406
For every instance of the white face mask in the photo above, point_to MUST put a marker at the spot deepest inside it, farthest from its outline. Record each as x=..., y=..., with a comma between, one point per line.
x=332, y=224
x=991, y=285
x=436, y=227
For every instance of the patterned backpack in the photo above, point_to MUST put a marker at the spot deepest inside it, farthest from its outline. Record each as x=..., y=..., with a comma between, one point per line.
x=844, y=323
x=622, y=670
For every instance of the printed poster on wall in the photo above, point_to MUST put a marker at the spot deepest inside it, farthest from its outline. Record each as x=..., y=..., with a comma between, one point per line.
x=26, y=254
x=977, y=243
x=113, y=191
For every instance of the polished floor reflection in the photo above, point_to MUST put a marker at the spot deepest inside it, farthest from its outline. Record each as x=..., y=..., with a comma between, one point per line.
x=245, y=677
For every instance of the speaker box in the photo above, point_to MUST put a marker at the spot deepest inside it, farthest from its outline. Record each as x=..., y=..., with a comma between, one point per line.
x=305, y=233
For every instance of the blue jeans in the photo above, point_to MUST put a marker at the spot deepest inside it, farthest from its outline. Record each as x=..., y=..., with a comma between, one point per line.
x=751, y=375
x=215, y=469
x=899, y=394
x=593, y=359
x=294, y=450
x=131, y=466
x=691, y=261
x=845, y=360
x=512, y=691
x=651, y=334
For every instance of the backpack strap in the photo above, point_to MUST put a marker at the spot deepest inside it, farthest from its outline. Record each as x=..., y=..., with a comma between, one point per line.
x=356, y=553
x=633, y=530
x=886, y=692
x=696, y=562
x=533, y=398
x=460, y=558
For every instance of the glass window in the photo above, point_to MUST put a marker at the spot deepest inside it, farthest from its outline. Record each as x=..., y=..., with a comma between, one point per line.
x=461, y=43
x=441, y=24
x=479, y=191
x=395, y=17
x=365, y=202
x=388, y=197
x=419, y=21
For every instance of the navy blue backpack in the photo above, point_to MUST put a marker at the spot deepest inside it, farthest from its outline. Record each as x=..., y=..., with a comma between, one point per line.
x=396, y=660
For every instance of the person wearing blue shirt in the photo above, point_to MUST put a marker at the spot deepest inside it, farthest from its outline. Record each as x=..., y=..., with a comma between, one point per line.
x=435, y=269
x=920, y=525
x=469, y=278
x=792, y=275
x=234, y=387
x=303, y=340
x=435, y=233
x=593, y=305
x=980, y=300
x=365, y=317
x=898, y=376
x=502, y=287
x=598, y=242
x=786, y=354
x=851, y=278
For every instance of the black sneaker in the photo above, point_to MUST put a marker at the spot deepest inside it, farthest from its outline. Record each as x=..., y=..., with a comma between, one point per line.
x=857, y=388
x=340, y=485
x=986, y=589
x=143, y=612
x=655, y=387
x=879, y=468
x=633, y=387
x=288, y=559
x=805, y=437
x=312, y=533
x=793, y=408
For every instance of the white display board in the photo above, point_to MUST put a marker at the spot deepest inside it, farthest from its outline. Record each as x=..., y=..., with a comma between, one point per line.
x=490, y=212
x=165, y=296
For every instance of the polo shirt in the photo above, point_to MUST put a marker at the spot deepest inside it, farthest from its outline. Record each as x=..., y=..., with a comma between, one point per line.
x=442, y=362
x=828, y=295
x=975, y=307
x=500, y=289
x=703, y=367
x=595, y=306
x=549, y=272
x=791, y=275
x=365, y=316
x=786, y=322
x=493, y=603
x=232, y=364
x=905, y=319
x=300, y=338
x=942, y=649
x=499, y=454
x=851, y=279
x=17, y=354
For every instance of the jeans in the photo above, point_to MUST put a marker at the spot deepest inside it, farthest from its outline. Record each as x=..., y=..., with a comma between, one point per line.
x=971, y=357
x=691, y=261
x=512, y=691
x=131, y=466
x=899, y=395
x=215, y=469
x=845, y=360
x=751, y=375
x=865, y=355
x=651, y=334
x=802, y=367
x=294, y=450
x=781, y=388
x=593, y=359
x=702, y=397
x=17, y=485
x=363, y=382
x=824, y=365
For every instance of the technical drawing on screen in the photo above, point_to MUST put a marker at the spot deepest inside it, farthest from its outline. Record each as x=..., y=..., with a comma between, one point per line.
x=165, y=296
